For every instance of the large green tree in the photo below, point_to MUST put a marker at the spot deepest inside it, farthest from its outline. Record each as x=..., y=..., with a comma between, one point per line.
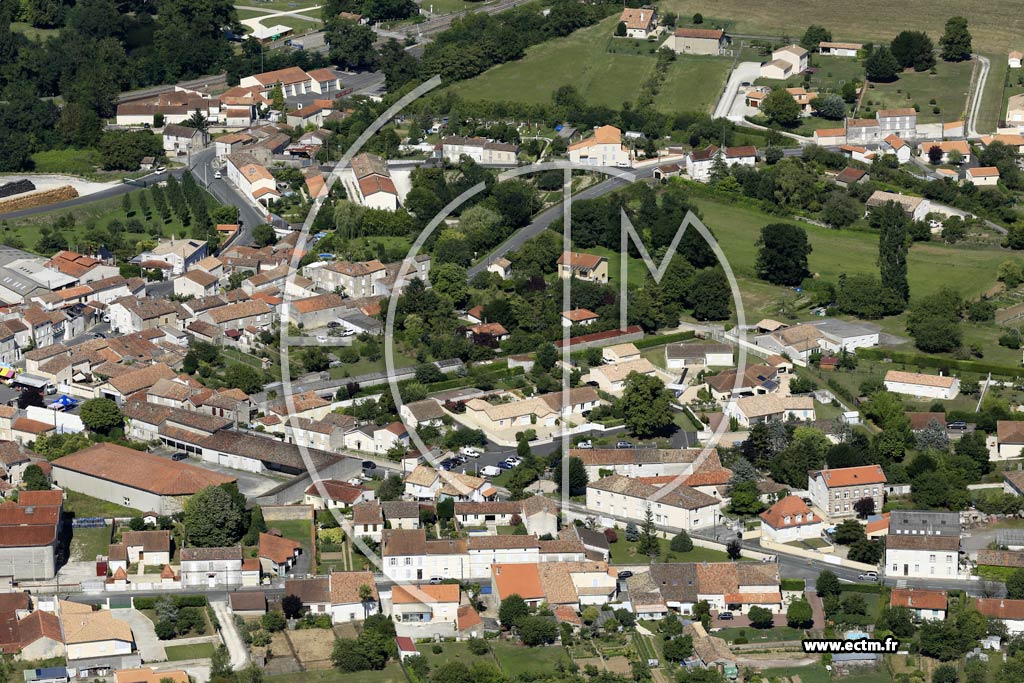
x=956, y=41
x=781, y=108
x=881, y=66
x=892, y=248
x=577, y=476
x=645, y=405
x=101, y=415
x=212, y=518
x=913, y=49
x=782, y=254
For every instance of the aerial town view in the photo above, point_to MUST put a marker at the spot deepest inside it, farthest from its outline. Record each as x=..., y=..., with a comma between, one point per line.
x=511, y=341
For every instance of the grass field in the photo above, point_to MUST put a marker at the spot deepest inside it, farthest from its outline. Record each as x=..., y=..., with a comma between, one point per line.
x=392, y=673
x=830, y=75
x=517, y=660
x=87, y=506
x=86, y=544
x=948, y=87
x=766, y=635
x=100, y=213
x=602, y=78
x=971, y=271
x=297, y=24
x=32, y=32
x=296, y=529
x=993, y=100
x=994, y=25
x=364, y=366
x=178, y=653
x=280, y=6
x=624, y=552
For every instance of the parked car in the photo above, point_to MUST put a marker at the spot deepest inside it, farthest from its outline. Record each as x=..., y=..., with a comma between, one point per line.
x=514, y=462
x=369, y=465
x=504, y=465
x=959, y=425
x=218, y=175
x=490, y=471
x=471, y=451
x=585, y=444
x=623, y=444
x=868, y=576
x=322, y=338
x=725, y=616
x=179, y=456
x=333, y=324
x=625, y=574
x=434, y=580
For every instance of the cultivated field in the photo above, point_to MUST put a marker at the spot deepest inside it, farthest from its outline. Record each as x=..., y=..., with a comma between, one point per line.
x=602, y=77
x=996, y=25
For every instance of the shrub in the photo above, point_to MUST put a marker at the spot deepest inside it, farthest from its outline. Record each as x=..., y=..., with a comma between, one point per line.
x=479, y=646
x=437, y=649
x=611, y=535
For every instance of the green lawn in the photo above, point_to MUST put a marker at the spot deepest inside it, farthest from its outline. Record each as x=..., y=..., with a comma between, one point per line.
x=808, y=674
x=87, y=506
x=86, y=544
x=297, y=24
x=32, y=32
x=948, y=87
x=518, y=660
x=177, y=653
x=603, y=78
x=624, y=552
x=364, y=366
x=449, y=652
x=766, y=635
x=449, y=6
x=993, y=100
x=636, y=268
x=392, y=673
x=280, y=6
x=737, y=227
x=831, y=74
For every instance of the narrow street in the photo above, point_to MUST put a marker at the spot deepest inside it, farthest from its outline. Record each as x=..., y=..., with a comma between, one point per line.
x=229, y=632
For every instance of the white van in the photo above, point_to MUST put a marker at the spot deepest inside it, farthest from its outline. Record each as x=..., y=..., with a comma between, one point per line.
x=491, y=471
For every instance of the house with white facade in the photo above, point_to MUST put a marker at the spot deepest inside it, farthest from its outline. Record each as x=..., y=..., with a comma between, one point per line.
x=753, y=410
x=924, y=603
x=790, y=520
x=603, y=148
x=617, y=499
x=922, y=557
x=922, y=386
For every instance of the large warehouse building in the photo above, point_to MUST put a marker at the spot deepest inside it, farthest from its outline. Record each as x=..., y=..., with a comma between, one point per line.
x=133, y=478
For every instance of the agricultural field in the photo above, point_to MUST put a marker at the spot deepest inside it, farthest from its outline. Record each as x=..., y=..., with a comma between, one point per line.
x=995, y=25
x=584, y=60
x=100, y=213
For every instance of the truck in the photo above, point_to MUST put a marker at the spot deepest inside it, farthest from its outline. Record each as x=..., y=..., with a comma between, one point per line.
x=490, y=471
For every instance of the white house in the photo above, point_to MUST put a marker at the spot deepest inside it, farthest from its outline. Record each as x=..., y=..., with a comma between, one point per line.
x=679, y=356
x=180, y=140
x=616, y=498
x=839, y=49
x=1014, y=59
x=347, y=590
x=640, y=22
x=924, y=603
x=251, y=178
x=1008, y=441
x=790, y=520
x=612, y=377
x=752, y=410
x=894, y=144
x=1010, y=612
x=426, y=604
x=983, y=176
x=786, y=61
x=922, y=557
x=603, y=148
x=921, y=385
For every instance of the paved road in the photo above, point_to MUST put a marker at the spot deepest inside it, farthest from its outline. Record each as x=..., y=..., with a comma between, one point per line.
x=149, y=646
x=731, y=104
x=203, y=170
x=229, y=632
x=976, y=98
x=544, y=219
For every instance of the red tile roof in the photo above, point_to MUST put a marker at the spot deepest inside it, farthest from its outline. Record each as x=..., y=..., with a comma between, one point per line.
x=917, y=598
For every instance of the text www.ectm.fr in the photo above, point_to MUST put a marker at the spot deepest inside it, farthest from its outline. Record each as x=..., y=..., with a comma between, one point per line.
x=836, y=646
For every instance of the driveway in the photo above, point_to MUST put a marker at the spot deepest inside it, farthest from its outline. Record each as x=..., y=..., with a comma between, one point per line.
x=229, y=633
x=730, y=104
x=149, y=646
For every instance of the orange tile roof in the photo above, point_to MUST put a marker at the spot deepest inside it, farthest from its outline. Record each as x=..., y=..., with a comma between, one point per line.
x=140, y=470
x=999, y=608
x=468, y=617
x=517, y=579
x=443, y=592
x=853, y=476
x=578, y=314
x=277, y=548
x=752, y=598
x=789, y=507
x=917, y=598
x=576, y=258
